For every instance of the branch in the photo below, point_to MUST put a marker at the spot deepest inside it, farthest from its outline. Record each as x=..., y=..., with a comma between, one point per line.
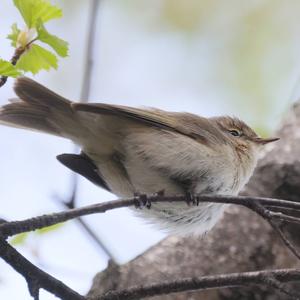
x=70, y=204
x=271, y=278
x=11, y=228
x=87, y=74
x=35, y=277
x=254, y=203
x=86, y=82
x=84, y=96
x=273, y=219
x=18, y=52
x=276, y=284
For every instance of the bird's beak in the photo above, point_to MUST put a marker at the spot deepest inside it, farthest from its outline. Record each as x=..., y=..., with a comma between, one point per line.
x=265, y=141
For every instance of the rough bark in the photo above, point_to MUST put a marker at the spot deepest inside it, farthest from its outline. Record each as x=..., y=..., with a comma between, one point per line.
x=241, y=241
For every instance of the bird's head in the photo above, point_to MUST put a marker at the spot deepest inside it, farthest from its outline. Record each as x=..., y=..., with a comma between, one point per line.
x=240, y=136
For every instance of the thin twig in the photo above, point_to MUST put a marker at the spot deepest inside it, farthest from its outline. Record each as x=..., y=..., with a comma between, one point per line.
x=35, y=277
x=84, y=97
x=89, y=230
x=268, y=216
x=18, y=52
x=282, y=210
x=274, y=283
x=87, y=74
x=86, y=81
x=209, y=282
x=96, y=239
x=283, y=217
x=287, y=242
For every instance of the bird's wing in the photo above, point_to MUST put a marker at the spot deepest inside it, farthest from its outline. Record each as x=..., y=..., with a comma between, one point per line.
x=189, y=125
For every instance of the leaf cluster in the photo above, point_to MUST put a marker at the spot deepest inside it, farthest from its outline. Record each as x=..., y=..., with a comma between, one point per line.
x=32, y=56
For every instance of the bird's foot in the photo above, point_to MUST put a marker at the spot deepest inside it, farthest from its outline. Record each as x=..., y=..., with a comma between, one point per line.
x=160, y=193
x=141, y=200
x=191, y=199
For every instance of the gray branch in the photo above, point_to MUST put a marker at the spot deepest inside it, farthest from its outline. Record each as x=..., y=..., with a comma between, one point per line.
x=272, y=278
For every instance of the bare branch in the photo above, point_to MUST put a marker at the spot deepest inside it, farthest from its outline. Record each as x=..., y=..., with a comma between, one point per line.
x=89, y=230
x=84, y=96
x=254, y=203
x=38, y=279
x=283, y=217
x=272, y=278
x=269, y=216
x=275, y=283
x=18, y=52
x=12, y=228
x=35, y=277
x=87, y=74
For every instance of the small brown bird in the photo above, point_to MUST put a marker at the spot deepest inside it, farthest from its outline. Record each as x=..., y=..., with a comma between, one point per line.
x=128, y=150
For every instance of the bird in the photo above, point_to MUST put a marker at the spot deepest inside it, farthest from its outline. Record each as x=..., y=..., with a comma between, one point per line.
x=142, y=151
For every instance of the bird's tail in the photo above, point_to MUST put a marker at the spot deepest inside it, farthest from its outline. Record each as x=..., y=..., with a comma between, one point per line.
x=40, y=109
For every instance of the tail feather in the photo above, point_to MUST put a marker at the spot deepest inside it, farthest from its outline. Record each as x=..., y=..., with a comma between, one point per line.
x=30, y=91
x=40, y=109
x=24, y=115
x=37, y=108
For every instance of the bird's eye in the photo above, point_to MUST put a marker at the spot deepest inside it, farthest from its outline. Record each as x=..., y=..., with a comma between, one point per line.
x=235, y=132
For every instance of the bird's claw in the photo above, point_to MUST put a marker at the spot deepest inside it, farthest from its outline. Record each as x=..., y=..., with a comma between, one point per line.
x=191, y=199
x=160, y=193
x=141, y=200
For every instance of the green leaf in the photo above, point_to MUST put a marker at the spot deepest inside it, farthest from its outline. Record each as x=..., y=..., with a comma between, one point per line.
x=7, y=69
x=19, y=239
x=50, y=228
x=15, y=31
x=33, y=10
x=45, y=11
x=59, y=45
x=25, y=8
x=37, y=58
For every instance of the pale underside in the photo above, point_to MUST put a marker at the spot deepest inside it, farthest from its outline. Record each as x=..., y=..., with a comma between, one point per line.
x=159, y=160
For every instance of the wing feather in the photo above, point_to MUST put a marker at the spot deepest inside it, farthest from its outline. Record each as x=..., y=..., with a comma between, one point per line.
x=191, y=125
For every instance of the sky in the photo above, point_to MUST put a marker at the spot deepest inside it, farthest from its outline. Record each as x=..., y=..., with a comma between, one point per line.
x=132, y=65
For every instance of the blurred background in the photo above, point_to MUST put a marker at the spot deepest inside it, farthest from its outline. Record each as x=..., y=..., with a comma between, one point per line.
x=208, y=57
